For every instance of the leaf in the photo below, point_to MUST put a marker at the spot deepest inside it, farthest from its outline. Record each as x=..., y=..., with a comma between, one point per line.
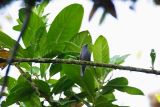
x=82, y=38
x=23, y=78
x=130, y=90
x=101, y=54
x=62, y=84
x=34, y=24
x=78, y=41
x=39, y=9
x=22, y=89
x=106, y=100
x=25, y=65
x=101, y=50
x=52, y=81
x=55, y=68
x=8, y=42
x=63, y=29
x=35, y=33
x=73, y=73
x=43, y=87
x=4, y=54
x=115, y=84
x=43, y=68
x=117, y=59
x=11, y=82
x=121, y=84
x=35, y=70
x=33, y=99
x=120, y=81
x=72, y=47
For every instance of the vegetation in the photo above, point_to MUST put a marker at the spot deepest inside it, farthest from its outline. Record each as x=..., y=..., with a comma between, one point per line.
x=39, y=85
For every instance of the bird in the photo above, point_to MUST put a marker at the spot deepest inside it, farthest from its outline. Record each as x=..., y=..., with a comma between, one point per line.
x=85, y=55
x=108, y=7
x=153, y=57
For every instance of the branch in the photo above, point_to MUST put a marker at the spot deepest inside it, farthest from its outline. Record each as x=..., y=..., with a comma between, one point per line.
x=15, y=47
x=79, y=62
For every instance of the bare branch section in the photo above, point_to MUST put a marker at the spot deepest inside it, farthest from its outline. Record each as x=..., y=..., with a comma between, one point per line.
x=79, y=62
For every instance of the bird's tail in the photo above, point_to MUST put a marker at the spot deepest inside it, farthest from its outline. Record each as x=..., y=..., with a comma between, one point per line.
x=83, y=67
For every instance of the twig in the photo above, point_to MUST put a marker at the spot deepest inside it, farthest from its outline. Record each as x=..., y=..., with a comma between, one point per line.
x=79, y=62
x=15, y=47
x=33, y=85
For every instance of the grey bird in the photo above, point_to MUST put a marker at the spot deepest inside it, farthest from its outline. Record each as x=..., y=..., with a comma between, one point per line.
x=153, y=57
x=85, y=56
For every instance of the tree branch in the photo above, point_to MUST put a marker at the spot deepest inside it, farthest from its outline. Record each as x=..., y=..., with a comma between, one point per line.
x=79, y=62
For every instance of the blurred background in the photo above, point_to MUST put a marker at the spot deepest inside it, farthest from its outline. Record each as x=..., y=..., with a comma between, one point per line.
x=135, y=32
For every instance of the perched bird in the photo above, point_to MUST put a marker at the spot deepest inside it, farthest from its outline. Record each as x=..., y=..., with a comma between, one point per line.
x=153, y=57
x=85, y=56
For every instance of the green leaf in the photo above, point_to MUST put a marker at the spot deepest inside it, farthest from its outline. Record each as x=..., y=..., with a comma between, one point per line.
x=52, y=81
x=101, y=54
x=35, y=23
x=35, y=34
x=55, y=68
x=72, y=47
x=106, y=99
x=61, y=85
x=25, y=65
x=23, y=78
x=130, y=90
x=39, y=9
x=118, y=82
x=78, y=41
x=115, y=84
x=22, y=89
x=121, y=84
x=11, y=82
x=73, y=73
x=35, y=70
x=33, y=100
x=43, y=87
x=117, y=59
x=101, y=50
x=8, y=42
x=82, y=38
x=63, y=29
x=43, y=68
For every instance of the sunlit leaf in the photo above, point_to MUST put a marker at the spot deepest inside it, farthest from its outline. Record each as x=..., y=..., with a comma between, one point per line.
x=43, y=69
x=117, y=59
x=63, y=29
x=101, y=54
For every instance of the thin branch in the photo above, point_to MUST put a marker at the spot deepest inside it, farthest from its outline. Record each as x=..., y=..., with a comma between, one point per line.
x=33, y=85
x=79, y=62
x=15, y=47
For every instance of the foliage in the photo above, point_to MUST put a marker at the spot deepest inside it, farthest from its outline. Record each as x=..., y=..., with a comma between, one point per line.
x=38, y=84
